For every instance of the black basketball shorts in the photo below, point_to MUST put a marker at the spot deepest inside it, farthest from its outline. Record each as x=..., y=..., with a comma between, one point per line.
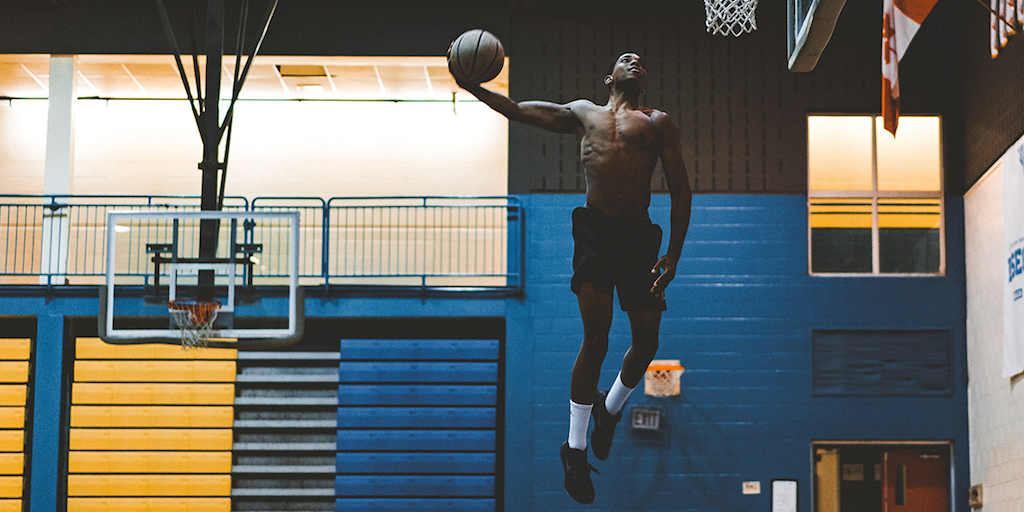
x=617, y=253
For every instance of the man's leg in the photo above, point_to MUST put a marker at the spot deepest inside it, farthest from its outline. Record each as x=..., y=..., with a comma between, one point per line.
x=596, y=310
x=645, y=326
x=607, y=414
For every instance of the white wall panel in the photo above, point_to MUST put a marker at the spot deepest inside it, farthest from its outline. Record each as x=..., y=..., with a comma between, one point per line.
x=278, y=148
x=996, y=404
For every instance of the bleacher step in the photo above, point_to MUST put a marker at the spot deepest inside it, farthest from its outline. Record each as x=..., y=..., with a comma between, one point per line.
x=253, y=469
x=288, y=424
x=285, y=447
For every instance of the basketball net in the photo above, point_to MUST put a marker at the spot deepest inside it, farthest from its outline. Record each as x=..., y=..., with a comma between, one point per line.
x=662, y=378
x=730, y=17
x=195, y=320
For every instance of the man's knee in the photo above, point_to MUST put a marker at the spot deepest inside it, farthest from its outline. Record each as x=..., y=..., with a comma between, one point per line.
x=645, y=349
x=594, y=348
x=645, y=324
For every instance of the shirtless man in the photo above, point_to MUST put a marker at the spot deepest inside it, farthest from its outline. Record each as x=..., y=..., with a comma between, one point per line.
x=616, y=243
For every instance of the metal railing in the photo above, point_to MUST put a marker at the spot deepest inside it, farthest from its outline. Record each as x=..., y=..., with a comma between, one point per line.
x=450, y=242
x=423, y=241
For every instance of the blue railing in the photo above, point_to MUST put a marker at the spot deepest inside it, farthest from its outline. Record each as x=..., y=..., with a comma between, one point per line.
x=451, y=242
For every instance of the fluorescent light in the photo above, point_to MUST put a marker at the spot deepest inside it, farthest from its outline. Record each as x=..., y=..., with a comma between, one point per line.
x=310, y=89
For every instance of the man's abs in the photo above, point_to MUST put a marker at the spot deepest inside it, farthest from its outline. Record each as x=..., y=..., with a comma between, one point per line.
x=621, y=194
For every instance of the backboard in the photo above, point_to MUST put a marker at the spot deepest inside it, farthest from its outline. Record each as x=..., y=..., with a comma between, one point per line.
x=810, y=24
x=153, y=257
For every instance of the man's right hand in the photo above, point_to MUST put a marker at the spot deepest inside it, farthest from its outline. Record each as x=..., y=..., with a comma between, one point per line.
x=667, y=269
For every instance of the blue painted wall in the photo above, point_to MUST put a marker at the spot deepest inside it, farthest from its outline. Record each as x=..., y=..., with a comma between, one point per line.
x=741, y=312
x=740, y=317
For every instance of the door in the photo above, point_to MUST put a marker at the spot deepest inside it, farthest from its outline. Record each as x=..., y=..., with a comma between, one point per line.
x=826, y=480
x=915, y=480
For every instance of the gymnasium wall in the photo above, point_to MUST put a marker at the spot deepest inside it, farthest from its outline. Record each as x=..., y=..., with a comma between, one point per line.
x=742, y=317
x=287, y=148
x=993, y=106
x=996, y=404
x=741, y=112
x=300, y=27
x=742, y=311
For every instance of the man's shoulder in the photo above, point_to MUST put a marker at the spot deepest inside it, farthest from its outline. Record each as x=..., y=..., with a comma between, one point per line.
x=660, y=118
x=653, y=113
x=582, y=104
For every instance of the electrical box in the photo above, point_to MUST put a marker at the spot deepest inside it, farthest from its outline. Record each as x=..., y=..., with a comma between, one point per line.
x=975, y=497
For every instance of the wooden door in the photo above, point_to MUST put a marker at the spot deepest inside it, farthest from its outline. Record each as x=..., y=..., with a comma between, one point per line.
x=915, y=480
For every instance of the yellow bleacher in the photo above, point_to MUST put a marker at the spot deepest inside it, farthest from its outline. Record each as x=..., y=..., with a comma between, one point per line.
x=12, y=441
x=152, y=416
x=12, y=463
x=153, y=371
x=95, y=348
x=139, y=393
x=136, y=504
x=149, y=462
x=10, y=486
x=148, y=485
x=13, y=394
x=14, y=371
x=15, y=349
x=14, y=374
x=150, y=428
x=12, y=417
x=9, y=505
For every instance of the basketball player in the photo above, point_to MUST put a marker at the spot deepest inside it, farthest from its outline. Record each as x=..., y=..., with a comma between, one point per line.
x=616, y=243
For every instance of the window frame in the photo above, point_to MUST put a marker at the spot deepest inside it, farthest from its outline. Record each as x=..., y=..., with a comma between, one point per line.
x=874, y=195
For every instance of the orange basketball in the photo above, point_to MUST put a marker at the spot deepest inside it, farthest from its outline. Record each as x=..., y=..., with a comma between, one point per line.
x=476, y=57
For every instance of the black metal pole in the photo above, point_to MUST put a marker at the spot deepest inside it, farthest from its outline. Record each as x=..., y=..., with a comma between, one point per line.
x=208, y=229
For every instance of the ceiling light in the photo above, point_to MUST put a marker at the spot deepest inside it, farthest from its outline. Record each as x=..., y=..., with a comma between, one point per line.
x=311, y=89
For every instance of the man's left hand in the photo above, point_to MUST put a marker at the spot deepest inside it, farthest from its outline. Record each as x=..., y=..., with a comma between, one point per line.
x=667, y=268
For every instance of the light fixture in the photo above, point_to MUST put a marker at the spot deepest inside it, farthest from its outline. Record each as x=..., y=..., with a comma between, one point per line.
x=309, y=89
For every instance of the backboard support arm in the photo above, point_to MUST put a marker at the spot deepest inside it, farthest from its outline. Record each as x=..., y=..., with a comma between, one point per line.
x=207, y=115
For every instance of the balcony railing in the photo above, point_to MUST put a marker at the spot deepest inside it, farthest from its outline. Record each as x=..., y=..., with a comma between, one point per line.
x=425, y=242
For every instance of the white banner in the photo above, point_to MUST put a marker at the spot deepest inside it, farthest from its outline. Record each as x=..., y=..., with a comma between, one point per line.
x=1013, y=243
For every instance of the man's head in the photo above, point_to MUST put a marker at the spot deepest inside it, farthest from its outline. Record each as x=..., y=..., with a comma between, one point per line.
x=629, y=71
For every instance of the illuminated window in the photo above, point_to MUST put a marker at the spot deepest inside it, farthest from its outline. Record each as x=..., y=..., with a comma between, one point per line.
x=875, y=202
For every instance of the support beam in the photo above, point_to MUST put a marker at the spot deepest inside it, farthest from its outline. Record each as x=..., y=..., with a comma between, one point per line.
x=47, y=480
x=60, y=126
x=211, y=136
x=211, y=131
x=59, y=167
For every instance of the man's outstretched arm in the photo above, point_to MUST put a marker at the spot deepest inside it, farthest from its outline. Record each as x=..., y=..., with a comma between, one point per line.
x=542, y=114
x=682, y=198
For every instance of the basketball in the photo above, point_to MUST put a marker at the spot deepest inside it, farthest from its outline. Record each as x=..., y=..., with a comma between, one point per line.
x=476, y=57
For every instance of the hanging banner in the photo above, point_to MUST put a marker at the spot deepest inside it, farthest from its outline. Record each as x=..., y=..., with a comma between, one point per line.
x=1013, y=243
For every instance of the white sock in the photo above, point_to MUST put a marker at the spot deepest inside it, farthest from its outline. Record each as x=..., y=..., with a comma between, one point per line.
x=579, y=420
x=617, y=396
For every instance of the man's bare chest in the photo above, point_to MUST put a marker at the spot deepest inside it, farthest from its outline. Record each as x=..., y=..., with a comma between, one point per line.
x=631, y=130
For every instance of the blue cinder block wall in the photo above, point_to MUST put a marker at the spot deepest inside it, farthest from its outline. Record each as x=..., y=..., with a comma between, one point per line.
x=741, y=312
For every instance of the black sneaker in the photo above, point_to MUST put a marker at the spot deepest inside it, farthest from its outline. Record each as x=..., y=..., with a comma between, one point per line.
x=577, y=474
x=604, y=427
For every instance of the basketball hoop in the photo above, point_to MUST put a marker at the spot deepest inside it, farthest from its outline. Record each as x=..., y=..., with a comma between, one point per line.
x=730, y=17
x=662, y=378
x=195, y=320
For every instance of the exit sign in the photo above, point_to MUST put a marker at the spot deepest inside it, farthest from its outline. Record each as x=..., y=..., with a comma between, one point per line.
x=645, y=418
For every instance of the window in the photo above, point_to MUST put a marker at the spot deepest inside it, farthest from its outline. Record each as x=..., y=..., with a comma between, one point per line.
x=875, y=203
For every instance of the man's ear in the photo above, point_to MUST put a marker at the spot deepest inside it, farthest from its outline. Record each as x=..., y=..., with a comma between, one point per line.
x=608, y=80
